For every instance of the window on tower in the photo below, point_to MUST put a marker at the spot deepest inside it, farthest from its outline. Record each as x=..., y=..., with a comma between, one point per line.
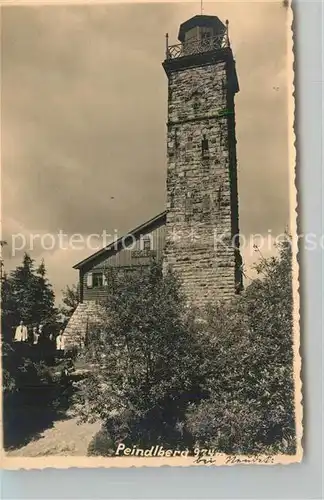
x=189, y=141
x=176, y=139
x=169, y=93
x=219, y=197
x=204, y=147
x=171, y=200
x=206, y=203
x=188, y=207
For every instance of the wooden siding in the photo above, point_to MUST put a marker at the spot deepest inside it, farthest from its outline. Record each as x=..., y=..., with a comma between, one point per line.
x=129, y=257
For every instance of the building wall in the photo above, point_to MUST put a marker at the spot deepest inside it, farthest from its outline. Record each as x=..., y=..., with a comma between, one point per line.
x=88, y=315
x=124, y=259
x=202, y=202
x=90, y=312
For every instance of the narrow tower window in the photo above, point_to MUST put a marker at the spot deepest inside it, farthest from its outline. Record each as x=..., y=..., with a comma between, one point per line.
x=171, y=200
x=169, y=93
x=176, y=139
x=206, y=203
x=188, y=203
x=188, y=207
x=219, y=197
x=204, y=147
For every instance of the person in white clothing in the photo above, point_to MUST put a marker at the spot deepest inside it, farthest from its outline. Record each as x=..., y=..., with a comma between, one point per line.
x=21, y=334
x=60, y=341
x=35, y=335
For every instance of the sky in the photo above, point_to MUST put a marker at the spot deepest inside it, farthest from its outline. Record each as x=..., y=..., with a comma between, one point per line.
x=83, y=122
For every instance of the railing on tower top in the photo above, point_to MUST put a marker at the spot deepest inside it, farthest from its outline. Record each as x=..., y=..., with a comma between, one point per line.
x=197, y=46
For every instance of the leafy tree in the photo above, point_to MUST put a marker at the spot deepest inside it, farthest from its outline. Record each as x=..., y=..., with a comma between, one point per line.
x=25, y=295
x=160, y=376
x=145, y=361
x=70, y=301
x=248, y=366
x=31, y=394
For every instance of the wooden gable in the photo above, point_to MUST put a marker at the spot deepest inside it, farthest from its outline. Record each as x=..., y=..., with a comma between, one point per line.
x=137, y=248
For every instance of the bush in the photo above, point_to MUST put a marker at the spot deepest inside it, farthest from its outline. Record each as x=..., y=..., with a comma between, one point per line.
x=32, y=395
x=161, y=377
x=73, y=353
x=101, y=445
x=27, y=405
x=248, y=367
x=146, y=360
x=8, y=378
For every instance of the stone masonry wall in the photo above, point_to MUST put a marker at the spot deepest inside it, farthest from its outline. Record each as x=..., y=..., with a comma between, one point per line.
x=86, y=315
x=199, y=184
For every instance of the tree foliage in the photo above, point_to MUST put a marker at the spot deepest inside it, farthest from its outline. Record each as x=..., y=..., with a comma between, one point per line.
x=248, y=366
x=70, y=300
x=161, y=376
x=145, y=360
x=27, y=295
x=32, y=395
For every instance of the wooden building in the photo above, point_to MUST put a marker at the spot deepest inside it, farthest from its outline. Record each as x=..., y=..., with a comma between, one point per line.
x=128, y=252
x=133, y=250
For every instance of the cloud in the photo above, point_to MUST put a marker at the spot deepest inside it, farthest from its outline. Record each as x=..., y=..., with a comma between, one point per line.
x=84, y=112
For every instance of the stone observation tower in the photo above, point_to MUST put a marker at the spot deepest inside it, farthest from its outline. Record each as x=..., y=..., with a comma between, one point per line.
x=197, y=234
x=202, y=200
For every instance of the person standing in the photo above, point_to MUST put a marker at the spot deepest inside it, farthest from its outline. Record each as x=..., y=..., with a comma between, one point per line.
x=40, y=330
x=35, y=335
x=60, y=341
x=21, y=334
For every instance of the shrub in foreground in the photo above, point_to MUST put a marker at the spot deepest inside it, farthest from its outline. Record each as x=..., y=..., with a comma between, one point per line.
x=248, y=367
x=101, y=445
x=146, y=362
x=160, y=377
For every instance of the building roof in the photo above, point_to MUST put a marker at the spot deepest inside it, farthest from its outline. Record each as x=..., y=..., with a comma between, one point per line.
x=158, y=219
x=201, y=20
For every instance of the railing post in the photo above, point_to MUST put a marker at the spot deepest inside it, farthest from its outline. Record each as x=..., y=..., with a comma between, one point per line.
x=167, y=45
x=227, y=35
x=197, y=45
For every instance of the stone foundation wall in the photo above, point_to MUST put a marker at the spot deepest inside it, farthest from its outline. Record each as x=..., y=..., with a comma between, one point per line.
x=86, y=315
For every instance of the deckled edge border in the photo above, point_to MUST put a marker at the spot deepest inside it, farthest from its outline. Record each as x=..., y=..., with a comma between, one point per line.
x=40, y=463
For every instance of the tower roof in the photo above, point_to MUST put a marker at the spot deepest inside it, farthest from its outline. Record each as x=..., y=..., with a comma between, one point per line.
x=201, y=21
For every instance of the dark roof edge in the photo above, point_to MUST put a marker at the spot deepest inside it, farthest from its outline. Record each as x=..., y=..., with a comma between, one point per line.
x=113, y=244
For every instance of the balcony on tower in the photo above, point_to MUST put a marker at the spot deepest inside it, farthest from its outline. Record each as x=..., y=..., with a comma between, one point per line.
x=199, y=35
